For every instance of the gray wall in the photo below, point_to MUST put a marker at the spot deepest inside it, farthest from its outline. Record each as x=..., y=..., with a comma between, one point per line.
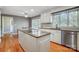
x=30, y=22
x=19, y=22
x=0, y=23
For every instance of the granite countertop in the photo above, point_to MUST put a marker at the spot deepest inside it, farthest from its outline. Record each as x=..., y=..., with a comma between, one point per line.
x=35, y=33
x=64, y=29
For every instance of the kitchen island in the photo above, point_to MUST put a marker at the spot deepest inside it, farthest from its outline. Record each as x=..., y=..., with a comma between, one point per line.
x=34, y=40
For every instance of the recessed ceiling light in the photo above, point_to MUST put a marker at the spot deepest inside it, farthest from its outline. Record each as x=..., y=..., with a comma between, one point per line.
x=26, y=15
x=32, y=10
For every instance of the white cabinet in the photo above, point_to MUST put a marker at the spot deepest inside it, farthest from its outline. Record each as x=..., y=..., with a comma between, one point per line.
x=78, y=41
x=33, y=44
x=55, y=35
x=44, y=43
x=22, y=40
x=46, y=18
x=26, y=41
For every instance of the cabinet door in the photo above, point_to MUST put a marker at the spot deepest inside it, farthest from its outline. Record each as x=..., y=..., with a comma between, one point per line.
x=25, y=42
x=56, y=36
x=31, y=43
x=20, y=35
x=78, y=41
x=46, y=18
x=44, y=43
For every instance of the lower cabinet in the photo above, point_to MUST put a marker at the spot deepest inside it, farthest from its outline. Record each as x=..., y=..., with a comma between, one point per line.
x=22, y=40
x=44, y=43
x=56, y=36
x=33, y=44
x=78, y=41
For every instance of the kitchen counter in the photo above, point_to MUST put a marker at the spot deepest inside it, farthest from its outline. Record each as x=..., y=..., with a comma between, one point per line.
x=64, y=29
x=68, y=36
x=35, y=33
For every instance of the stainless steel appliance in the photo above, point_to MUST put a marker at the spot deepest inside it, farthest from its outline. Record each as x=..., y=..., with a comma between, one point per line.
x=69, y=39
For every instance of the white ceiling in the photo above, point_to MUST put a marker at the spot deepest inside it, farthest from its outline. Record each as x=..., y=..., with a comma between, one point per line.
x=20, y=10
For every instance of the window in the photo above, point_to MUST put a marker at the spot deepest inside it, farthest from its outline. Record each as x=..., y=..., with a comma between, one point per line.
x=63, y=19
x=67, y=18
x=36, y=23
x=78, y=17
x=7, y=24
x=56, y=21
x=73, y=19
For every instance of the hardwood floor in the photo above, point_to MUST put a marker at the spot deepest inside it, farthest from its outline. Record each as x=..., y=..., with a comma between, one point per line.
x=59, y=48
x=11, y=44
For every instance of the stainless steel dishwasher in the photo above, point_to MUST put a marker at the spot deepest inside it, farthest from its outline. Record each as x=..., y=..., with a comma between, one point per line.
x=69, y=39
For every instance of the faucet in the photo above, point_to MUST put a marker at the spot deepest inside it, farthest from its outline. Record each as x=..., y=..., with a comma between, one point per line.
x=57, y=26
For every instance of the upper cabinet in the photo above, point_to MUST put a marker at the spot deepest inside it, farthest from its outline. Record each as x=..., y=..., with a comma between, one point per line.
x=46, y=18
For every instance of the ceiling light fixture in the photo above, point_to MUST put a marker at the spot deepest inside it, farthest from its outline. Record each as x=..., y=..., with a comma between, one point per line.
x=32, y=10
x=26, y=15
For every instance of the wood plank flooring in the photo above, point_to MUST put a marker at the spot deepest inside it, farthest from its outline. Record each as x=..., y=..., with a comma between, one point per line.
x=12, y=45
x=59, y=48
